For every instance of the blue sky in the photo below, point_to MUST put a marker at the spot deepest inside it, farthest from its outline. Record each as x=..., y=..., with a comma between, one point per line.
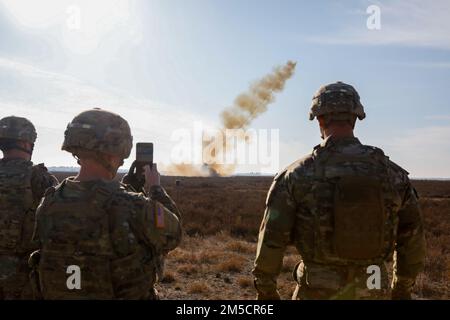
x=165, y=64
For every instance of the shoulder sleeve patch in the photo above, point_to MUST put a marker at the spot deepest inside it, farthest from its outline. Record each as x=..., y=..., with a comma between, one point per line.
x=159, y=215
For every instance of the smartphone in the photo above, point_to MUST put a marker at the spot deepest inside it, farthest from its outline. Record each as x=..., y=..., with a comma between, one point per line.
x=144, y=153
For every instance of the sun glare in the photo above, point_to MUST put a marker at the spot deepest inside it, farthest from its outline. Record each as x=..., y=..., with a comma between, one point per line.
x=81, y=24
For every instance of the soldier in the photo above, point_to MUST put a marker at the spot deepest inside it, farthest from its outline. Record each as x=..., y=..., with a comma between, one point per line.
x=22, y=186
x=346, y=208
x=98, y=239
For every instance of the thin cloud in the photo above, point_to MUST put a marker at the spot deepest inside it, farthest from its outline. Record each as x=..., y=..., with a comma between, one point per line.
x=424, y=152
x=407, y=23
x=51, y=100
x=438, y=117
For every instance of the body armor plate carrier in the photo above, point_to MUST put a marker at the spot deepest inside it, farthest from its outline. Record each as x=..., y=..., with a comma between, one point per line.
x=80, y=231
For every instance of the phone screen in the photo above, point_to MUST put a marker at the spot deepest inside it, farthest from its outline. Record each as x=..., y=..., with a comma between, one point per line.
x=144, y=152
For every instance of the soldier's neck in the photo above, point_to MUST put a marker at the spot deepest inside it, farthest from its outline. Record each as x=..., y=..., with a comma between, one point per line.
x=88, y=173
x=337, y=133
x=16, y=154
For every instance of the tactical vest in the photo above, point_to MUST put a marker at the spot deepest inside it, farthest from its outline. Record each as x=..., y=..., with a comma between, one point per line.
x=16, y=206
x=351, y=217
x=84, y=235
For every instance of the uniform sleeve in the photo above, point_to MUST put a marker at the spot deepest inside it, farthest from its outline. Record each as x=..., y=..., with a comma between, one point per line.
x=410, y=246
x=274, y=236
x=35, y=239
x=41, y=180
x=39, y=218
x=157, y=193
x=159, y=227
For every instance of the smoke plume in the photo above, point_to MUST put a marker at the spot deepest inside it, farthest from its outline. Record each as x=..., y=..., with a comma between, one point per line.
x=249, y=105
x=246, y=107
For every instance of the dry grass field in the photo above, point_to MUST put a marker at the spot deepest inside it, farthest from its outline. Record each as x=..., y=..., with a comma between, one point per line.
x=221, y=220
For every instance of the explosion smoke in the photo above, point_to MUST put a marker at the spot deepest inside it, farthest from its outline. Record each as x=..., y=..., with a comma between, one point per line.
x=246, y=107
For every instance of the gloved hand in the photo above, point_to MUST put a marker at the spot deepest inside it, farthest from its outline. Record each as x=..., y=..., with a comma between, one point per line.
x=152, y=177
x=132, y=178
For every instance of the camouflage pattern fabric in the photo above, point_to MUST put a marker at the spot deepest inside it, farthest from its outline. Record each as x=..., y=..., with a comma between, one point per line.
x=156, y=193
x=99, y=132
x=113, y=235
x=22, y=186
x=301, y=211
x=17, y=128
x=337, y=99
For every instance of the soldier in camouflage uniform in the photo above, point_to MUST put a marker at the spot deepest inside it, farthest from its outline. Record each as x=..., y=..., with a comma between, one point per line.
x=346, y=208
x=22, y=186
x=114, y=235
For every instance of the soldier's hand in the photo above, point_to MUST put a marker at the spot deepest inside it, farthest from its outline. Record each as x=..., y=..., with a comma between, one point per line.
x=132, y=179
x=152, y=177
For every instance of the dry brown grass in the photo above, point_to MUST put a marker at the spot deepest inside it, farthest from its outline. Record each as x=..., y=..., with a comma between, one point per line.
x=241, y=246
x=209, y=257
x=169, y=277
x=187, y=269
x=199, y=287
x=434, y=282
x=245, y=281
x=179, y=255
x=212, y=205
x=231, y=264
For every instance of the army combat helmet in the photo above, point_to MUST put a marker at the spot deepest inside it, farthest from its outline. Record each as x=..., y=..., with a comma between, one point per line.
x=96, y=133
x=13, y=129
x=338, y=101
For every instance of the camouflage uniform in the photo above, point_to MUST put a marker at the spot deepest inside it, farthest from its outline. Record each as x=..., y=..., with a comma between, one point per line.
x=114, y=235
x=22, y=186
x=345, y=207
x=156, y=193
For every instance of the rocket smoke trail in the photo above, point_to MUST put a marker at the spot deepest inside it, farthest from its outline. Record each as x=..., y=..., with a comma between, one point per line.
x=249, y=105
x=246, y=107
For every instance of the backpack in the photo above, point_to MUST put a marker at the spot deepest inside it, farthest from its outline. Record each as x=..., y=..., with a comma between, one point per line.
x=16, y=205
x=354, y=209
x=77, y=232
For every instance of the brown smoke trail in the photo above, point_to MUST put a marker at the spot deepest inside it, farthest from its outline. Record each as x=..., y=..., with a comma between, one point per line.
x=249, y=105
x=246, y=107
